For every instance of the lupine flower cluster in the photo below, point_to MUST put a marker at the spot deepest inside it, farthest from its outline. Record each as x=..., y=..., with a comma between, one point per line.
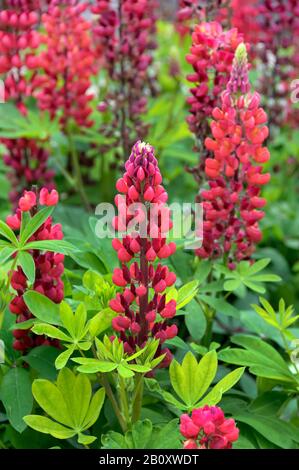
x=19, y=41
x=232, y=203
x=49, y=267
x=273, y=28
x=125, y=32
x=211, y=56
x=207, y=428
x=192, y=12
x=67, y=63
x=142, y=306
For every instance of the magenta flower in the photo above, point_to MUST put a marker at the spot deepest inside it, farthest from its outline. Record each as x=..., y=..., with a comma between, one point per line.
x=232, y=203
x=67, y=63
x=211, y=56
x=19, y=41
x=272, y=27
x=207, y=428
x=49, y=268
x=142, y=306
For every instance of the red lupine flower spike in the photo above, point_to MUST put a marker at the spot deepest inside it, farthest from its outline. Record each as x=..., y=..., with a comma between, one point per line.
x=139, y=310
x=232, y=202
x=49, y=269
x=272, y=28
x=68, y=58
x=19, y=61
x=211, y=57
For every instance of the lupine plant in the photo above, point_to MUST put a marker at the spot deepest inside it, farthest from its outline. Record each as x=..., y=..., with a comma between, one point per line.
x=273, y=31
x=211, y=56
x=125, y=31
x=148, y=226
x=26, y=158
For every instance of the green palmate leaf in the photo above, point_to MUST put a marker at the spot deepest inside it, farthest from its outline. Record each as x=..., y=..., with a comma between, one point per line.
x=101, y=322
x=166, y=437
x=86, y=440
x=79, y=388
x=63, y=358
x=7, y=233
x=145, y=436
x=265, y=278
x=254, y=287
x=268, y=403
x=95, y=406
x=4, y=243
x=25, y=218
x=203, y=270
x=69, y=403
x=25, y=325
x=113, y=440
x=27, y=264
x=47, y=426
x=67, y=317
x=139, y=368
x=273, y=429
x=42, y=307
x=206, y=371
x=52, y=401
x=75, y=324
x=255, y=344
x=282, y=320
x=187, y=293
x=232, y=285
x=35, y=125
x=84, y=345
x=124, y=371
x=255, y=364
x=225, y=384
x=80, y=320
x=6, y=253
x=93, y=365
x=16, y=396
x=56, y=246
x=169, y=398
x=261, y=358
x=34, y=224
x=246, y=275
x=50, y=331
x=140, y=434
x=171, y=294
x=180, y=377
x=258, y=266
x=191, y=380
x=220, y=305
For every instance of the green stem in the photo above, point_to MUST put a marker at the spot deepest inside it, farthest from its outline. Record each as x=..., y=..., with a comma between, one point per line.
x=137, y=399
x=210, y=315
x=77, y=173
x=66, y=174
x=104, y=381
x=8, y=282
x=124, y=402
